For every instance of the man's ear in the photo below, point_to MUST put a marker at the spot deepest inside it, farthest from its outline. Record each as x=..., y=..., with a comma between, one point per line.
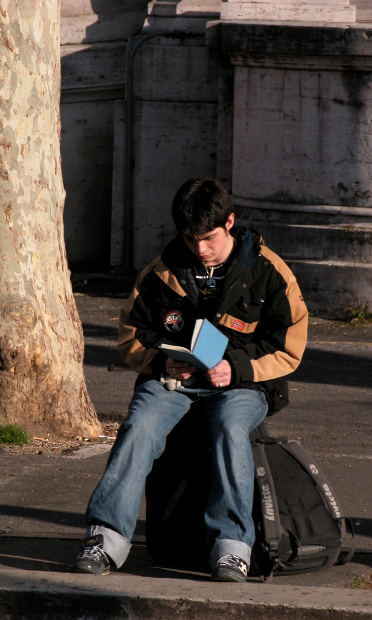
x=230, y=221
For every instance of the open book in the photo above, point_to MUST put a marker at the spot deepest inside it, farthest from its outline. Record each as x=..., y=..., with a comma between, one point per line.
x=208, y=345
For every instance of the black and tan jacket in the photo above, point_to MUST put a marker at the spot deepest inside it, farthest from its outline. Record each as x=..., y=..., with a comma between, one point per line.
x=260, y=309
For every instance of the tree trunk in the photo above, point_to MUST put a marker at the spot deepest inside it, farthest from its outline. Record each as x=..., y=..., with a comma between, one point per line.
x=42, y=386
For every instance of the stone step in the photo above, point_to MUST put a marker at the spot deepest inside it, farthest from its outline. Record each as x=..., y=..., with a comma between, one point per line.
x=334, y=289
x=289, y=11
x=333, y=263
x=345, y=242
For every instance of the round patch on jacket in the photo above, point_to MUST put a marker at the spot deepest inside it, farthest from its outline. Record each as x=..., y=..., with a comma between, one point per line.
x=173, y=321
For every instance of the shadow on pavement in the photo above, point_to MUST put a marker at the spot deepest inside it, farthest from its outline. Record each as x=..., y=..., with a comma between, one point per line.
x=70, y=519
x=58, y=555
x=318, y=366
x=329, y=367
x=96, y=355
x=100, y=331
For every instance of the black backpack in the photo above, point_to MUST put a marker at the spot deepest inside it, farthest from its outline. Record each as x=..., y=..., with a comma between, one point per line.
x=299, y=524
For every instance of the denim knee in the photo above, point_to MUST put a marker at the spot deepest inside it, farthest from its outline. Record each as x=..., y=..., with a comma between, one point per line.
x=235, y=431
x=144, y=431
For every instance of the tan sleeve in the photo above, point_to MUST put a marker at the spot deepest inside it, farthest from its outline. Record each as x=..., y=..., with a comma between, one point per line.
x=134, y=354
x=283, y=362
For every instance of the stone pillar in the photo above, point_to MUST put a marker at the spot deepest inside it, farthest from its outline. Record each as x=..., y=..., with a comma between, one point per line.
x=176, y=115
x=302, y=152
x=93, y=54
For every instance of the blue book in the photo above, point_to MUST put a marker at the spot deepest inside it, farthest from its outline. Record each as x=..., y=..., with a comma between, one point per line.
x=208, y=345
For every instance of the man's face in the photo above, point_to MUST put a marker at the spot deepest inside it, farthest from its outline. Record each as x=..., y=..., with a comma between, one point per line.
x=213, y=247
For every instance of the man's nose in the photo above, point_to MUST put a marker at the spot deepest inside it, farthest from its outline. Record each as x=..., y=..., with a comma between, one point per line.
x=200, y=245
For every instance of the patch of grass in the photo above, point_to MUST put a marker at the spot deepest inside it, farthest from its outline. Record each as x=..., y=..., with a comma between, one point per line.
x=13, y=433
x=364, y=582
x=358, y=315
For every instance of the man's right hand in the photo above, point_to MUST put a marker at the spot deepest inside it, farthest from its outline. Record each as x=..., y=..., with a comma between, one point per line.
x=179, y=370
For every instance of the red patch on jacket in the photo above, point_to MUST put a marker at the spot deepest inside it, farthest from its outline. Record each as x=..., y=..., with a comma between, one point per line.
x=239, y=325
x=173, y=321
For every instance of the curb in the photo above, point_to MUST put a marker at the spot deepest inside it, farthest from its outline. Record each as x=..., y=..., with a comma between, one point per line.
x=56, y=596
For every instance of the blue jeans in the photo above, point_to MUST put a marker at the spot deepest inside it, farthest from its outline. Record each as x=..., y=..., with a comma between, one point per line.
x=153, y=412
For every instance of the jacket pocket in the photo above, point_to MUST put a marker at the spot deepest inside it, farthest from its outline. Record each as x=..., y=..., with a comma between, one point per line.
x=248, y=308
x=276, y=394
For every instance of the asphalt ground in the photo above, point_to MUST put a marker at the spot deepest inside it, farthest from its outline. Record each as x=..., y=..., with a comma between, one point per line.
x=43, y=498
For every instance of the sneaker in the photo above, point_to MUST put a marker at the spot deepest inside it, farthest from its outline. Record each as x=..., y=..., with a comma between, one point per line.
x=92, y=558
x=230, y=568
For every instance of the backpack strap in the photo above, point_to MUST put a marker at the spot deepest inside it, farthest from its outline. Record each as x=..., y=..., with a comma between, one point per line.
x=347, y=530
x=269, y=505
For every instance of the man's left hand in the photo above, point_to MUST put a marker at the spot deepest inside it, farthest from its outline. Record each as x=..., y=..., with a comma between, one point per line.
x=220, y=375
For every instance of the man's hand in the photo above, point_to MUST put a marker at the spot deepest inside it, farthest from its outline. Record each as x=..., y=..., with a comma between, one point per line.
x=179, y=370
x=220, y=375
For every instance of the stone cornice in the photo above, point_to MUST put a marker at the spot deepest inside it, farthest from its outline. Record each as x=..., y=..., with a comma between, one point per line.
x=332, y=11
x=244, y=39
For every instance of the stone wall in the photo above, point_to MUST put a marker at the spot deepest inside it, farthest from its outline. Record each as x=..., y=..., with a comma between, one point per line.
x=93, y=58
x=278, y=110
x=302, y=152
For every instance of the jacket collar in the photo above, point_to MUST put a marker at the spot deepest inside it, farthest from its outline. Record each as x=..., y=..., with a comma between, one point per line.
x=178, y=258
x=248, y=243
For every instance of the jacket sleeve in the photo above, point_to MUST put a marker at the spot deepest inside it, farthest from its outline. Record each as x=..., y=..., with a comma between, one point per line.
x=135, y=332
x=279, y=340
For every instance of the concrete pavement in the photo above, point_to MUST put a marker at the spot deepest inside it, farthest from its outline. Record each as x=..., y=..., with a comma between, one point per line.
x=44, y=497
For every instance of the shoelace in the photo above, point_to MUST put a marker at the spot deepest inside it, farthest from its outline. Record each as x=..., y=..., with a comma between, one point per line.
x=235, y=561
x=95, y=552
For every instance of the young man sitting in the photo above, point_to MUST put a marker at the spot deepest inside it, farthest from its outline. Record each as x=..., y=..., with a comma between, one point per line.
x=222, y=272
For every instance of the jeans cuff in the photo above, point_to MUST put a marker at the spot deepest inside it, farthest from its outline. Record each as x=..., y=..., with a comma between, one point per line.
x=114, y=544
x=227, y=546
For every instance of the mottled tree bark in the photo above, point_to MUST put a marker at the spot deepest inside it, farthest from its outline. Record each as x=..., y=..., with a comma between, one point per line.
x=42, y=384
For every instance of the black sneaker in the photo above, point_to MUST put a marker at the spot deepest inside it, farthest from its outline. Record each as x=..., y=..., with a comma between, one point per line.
x=230, y=568
x=92, y=558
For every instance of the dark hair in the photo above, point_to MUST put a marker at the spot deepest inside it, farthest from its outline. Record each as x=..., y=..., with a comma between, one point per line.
x=200, y=205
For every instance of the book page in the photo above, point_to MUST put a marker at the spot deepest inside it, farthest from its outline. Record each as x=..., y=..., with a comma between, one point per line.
x=173, y=347
x=195, y=334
